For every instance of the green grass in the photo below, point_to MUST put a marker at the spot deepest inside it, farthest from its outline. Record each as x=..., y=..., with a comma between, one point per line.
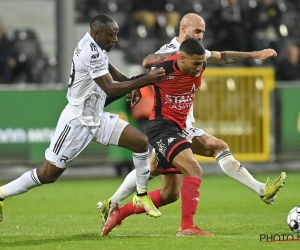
x=64, y=216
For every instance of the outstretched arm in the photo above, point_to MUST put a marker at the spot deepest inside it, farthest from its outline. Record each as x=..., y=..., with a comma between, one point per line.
x=133, y=97
x=113, y=89
x=153, y=59
x=227, y=57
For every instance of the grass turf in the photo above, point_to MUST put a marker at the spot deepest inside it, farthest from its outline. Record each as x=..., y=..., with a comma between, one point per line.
x=64, y=216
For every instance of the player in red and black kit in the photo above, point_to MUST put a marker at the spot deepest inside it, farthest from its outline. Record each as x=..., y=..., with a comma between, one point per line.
x=174, y=96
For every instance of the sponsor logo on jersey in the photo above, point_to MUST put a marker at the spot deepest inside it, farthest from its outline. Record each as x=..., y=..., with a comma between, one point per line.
x=182, y=101
x=98, y=68
x=95, y=61
x=179, y=99
x=170, y=140
x=170, y=77
x=95, y=56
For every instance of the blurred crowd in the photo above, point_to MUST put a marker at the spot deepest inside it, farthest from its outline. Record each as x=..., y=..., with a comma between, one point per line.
x=239, y=25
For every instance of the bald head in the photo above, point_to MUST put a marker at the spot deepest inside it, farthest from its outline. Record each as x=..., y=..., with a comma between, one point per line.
x=191, y=19
x=191, y=26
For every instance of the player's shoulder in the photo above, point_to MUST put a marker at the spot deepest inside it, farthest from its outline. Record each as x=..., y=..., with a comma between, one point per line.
x=170, y=47
x=88, y=47
x=207, y=54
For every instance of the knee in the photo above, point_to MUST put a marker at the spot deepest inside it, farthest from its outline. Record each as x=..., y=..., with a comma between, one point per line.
x=45, y=177
x=197, y=169
x=220, y=146
x=141, y=143
x=193, y=170
x=223, y=145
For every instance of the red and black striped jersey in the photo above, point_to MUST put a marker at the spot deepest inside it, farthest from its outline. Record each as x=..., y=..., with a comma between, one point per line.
x=174, y=95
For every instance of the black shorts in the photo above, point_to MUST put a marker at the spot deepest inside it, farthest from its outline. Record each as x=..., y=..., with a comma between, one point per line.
x=168, y=141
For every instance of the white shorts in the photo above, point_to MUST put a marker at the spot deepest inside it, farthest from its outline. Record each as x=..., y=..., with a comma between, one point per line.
x=72, y=137
x=190, y=132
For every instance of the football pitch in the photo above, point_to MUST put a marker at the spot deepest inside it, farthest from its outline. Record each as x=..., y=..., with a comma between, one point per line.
x=64, y=216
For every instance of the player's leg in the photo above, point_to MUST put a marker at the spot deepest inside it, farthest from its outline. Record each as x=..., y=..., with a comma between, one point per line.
x=182, y=158
x=59, y=156
x=47, y=173
x=127, y=136
x=127, y=188
x=170, y=192
x=208, y=145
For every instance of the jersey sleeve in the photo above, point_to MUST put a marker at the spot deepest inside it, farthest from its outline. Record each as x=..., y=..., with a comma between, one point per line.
x=164, y=49
x=95, y=63
x=207, y=54
x=170, y=47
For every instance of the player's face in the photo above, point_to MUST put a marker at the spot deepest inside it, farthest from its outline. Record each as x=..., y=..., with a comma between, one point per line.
x=196, y=30
x=192, y=65
x=106, y=38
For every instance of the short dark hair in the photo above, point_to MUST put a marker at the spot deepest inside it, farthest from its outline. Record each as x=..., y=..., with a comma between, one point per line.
x=192, y=46
x=102, y=19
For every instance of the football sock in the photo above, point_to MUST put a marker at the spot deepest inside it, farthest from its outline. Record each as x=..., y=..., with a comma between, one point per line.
x=129, y=209
x=189, y=200
x=21, y=185
x=142, y=166
x=237, y=171
x=127, y=187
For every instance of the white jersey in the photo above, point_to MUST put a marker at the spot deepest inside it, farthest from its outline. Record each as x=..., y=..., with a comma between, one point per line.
x=86, y=99
x=174, y=46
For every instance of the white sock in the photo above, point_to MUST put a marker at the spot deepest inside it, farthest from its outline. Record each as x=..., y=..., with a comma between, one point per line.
x=24, y=183
x=127, y=187
x=142, y=166
x=237, y=171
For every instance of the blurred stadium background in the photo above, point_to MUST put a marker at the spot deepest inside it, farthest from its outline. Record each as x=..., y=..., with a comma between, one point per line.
x=244, y=105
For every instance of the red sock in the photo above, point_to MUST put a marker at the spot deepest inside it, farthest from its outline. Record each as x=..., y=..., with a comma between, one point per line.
x=189, y=200
x=129, y=209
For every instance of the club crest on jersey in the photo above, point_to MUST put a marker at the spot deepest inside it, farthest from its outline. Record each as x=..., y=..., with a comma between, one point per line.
x=93, y=47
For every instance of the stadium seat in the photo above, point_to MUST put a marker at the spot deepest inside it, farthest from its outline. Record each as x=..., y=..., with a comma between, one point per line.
x=28, y=47
x=291, y=20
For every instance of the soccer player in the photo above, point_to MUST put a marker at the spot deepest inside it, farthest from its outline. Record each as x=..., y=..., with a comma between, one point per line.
x=193, y=26
x=173, y=99
x=83, y=119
